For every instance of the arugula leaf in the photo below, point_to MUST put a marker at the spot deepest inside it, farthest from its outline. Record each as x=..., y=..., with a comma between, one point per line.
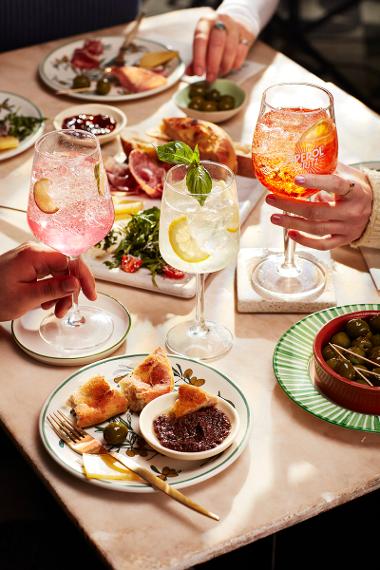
x=141, y=239
x=176, y=152
x=16, y=125
x=198, y=181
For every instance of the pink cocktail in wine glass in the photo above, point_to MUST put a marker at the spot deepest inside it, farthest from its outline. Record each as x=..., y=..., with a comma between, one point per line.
x=70, y=209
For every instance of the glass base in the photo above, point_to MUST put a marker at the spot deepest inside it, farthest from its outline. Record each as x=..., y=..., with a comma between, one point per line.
x=271, y=279
x=189, y=339
x=93, y=330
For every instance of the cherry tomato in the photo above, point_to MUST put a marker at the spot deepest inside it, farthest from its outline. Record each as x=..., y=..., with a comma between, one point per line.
x=130, y=263
x=172, y=273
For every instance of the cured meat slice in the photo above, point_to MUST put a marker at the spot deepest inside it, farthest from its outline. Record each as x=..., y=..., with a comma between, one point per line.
x=148, y=172
x=137, y=79
x=94, y=47
x=82, y=59
x=120, y=177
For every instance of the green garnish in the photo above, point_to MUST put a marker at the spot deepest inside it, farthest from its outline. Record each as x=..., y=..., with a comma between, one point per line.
x=198, y=180
x=16, y=125
x=140, y=239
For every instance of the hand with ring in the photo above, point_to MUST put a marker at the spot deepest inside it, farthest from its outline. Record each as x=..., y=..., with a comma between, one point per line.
x=220, y=45
x=337, y=218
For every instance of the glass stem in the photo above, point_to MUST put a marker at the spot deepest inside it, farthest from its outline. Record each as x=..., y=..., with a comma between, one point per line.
x=74, y=317
x=289, y=252
x=200, y=304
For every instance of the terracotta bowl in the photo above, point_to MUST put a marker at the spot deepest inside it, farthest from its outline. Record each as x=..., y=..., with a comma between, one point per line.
x=347, y=393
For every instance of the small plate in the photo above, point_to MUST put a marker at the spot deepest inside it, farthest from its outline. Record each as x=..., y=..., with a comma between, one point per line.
x=25, y=331
x=178, y=473
x=292, y=363
x=95, y=109
x=163, y=404
x=56, y=70
x=226, y=87
x=23, y=107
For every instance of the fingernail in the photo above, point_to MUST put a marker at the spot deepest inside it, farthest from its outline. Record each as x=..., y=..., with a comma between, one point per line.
x=275, y=218
x=300, y=179
x=198, y=70
x=211, y=77
x=68, y=286
x=270, y=198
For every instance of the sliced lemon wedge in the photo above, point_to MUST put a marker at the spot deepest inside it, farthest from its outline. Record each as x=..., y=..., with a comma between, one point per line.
x=183, y=243
x=41, y=194
x=124, y=207
x=233, y=221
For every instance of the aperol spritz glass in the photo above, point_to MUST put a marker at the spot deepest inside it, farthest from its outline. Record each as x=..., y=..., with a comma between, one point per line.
x=295, y=134
x=70, y=209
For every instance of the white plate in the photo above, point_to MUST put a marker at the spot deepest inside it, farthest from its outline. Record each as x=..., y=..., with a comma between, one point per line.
x=56, y=70
x=162, y=405
x=249, y=192
x=25, y=331
x=183, y=473
x=23, y=107
x=96, y=109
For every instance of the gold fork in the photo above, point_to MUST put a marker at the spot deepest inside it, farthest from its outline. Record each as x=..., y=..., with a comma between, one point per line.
x=82, y=442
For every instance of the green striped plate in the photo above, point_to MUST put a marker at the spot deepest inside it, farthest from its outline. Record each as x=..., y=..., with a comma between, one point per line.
x=292, y=361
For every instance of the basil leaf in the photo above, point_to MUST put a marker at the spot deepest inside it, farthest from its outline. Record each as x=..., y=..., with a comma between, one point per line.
x=176, y=152
x=198, y=181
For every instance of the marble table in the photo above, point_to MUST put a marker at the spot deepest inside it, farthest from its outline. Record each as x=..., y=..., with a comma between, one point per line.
x=296, y=465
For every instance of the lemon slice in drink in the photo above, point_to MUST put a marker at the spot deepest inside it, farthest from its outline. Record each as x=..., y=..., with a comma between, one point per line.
x=233, y=221
x=42, y=198
x=183, y=243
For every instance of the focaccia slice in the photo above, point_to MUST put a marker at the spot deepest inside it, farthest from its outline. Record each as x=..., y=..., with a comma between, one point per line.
x=95, y=401
x=213, y=142
x=190, y=399
x=150, y=379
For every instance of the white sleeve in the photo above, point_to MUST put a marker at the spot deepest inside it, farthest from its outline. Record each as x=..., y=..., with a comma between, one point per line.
x=253, y=13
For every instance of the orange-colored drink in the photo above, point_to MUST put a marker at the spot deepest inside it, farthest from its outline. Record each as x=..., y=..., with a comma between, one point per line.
x=293, y=141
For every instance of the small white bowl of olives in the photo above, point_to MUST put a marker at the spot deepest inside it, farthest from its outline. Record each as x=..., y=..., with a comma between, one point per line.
x=215, y=102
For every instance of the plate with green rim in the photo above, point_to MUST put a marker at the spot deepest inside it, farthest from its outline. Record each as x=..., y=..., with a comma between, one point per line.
x=178, y=473
x=292, y=364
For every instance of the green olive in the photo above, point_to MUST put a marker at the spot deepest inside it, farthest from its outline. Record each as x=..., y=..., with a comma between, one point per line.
x=333, y=362
x=198, y=88
x=226, y=103
x=364, y=342
x=341, y=339
x=376, y=339
x=357, y=327
x=115, y=433
x=213, y=95
x=209, y=106
x=375, y=381
x=345, y=369
x=356, y=359
x=81, y=81
x=197, y=106
x=328, y=352
x=374, y=323
x=374, y=352
x=103, y=86
x=197, y=99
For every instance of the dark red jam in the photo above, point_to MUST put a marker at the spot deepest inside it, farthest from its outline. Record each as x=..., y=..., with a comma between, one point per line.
x=95, y=124
x=197, y=431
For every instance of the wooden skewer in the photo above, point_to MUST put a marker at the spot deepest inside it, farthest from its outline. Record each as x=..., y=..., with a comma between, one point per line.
x=354, y=354
x=13, y=209
x=357, y=370
x=72, y=90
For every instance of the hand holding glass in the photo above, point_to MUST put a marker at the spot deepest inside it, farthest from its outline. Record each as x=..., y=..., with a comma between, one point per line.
x=70, y=209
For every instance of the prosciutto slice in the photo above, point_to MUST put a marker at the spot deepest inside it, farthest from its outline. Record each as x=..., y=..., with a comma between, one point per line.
x=148, y=172
x=87, y=57
x=120, y=177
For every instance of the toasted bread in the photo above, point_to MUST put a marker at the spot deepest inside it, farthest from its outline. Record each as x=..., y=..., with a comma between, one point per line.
x=213, y=142
x=137, y=79
x=190, y=399
x=150, y=379
x=95, y=401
